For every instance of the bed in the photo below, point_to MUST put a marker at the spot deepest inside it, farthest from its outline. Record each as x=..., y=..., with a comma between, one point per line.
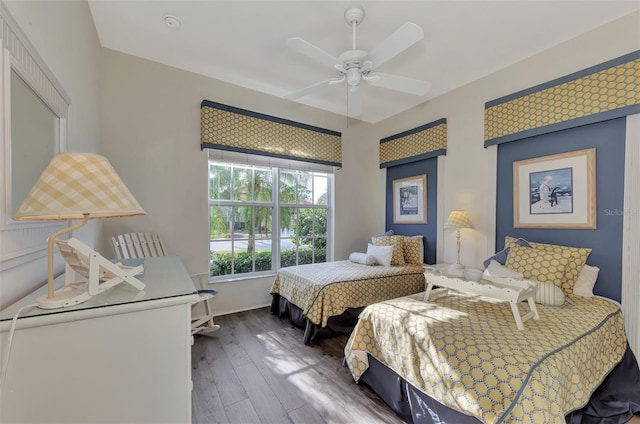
x=460, y=359
x=325, y=298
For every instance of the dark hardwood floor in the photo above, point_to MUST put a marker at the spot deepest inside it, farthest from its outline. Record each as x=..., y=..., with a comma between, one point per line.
x=255, y=369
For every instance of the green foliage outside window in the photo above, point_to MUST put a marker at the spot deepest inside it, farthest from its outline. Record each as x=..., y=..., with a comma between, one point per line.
x=251, y=220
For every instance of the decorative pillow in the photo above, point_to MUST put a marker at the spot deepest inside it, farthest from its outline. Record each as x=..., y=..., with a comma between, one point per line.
x=413, y=250
x=549, y=294
x=501, y=256
x=382, y=254
x=496, y=270
x=397, y=242
x=537, y=265
x=362, y=258
x=576, y=256
x=586, y=280
x=386, y=233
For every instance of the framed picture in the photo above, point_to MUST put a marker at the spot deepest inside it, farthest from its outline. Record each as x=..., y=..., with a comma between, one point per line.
x=410, y=200
x=557, y=191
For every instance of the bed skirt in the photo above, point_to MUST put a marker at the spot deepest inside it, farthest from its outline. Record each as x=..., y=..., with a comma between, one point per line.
x=336, y=325
x=613, y=402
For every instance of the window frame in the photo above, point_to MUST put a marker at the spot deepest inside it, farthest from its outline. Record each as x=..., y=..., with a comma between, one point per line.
x=275, y=205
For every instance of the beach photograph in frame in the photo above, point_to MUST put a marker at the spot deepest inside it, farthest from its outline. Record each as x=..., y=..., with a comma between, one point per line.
x=410, y=200
x=556, y=191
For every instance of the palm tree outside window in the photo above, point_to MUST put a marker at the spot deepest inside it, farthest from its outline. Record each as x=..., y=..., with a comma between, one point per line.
x=265, y=218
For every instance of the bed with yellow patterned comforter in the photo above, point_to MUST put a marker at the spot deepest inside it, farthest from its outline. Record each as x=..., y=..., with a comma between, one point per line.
x=322, y=291
x=466, y=353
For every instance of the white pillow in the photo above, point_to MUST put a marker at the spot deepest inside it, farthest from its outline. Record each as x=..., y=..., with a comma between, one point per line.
x=362, y=258
x=496, y=270
x=549, y=294
x=586, y=280
x=382, y=254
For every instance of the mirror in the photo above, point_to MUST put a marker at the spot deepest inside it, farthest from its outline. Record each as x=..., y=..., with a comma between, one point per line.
x=34, y=122
x=34, y=139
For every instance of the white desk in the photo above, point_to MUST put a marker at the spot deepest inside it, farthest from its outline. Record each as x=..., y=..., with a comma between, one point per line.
x=122, y=356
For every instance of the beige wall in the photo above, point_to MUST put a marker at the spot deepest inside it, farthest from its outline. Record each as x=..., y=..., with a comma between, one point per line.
x=468, y=167
x=151, y=134
x=64, y=35
x=149, y=114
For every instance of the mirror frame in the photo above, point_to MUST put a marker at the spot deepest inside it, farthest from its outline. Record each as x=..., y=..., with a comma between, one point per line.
x=24, y=241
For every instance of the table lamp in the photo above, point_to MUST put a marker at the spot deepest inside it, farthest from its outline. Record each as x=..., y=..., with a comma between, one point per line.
x=458, y=219
x=75, y=186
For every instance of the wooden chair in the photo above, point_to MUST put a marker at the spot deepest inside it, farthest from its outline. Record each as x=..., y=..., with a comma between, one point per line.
x=146, y=245
x=138, y=245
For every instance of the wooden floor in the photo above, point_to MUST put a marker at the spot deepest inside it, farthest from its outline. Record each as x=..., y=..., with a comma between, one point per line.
x=255, y=369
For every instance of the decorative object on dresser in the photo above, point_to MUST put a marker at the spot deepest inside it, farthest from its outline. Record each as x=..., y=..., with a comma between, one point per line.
x=76, y=186
x=458, y=219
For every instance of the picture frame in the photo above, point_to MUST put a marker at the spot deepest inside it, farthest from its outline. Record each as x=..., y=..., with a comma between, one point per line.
x=556, y=191
x=410, y=200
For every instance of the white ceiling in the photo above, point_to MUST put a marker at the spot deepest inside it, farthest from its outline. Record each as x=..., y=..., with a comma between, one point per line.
x=243, y=42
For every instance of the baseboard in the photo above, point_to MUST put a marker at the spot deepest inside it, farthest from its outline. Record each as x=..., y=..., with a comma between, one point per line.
x=235, y=311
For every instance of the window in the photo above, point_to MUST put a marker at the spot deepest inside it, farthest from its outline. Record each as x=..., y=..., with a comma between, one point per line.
x=262, y=218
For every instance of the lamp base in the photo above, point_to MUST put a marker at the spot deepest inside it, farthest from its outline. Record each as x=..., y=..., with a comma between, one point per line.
x=457, y=266
x=64, y=297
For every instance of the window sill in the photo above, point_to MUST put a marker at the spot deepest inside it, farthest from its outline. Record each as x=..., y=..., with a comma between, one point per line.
x=218, y=280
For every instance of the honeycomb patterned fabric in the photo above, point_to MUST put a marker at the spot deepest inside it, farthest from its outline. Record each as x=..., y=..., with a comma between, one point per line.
x=255, y=133
x=413, y=250
x=606, y=90
x=324, y=290
x=398, y=247
x=537, y=264
x=431, y=139
x=465, y=352
x=576, y=256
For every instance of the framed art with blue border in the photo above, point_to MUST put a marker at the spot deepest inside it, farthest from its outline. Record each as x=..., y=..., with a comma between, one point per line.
x=556, y=191
x=410, y=200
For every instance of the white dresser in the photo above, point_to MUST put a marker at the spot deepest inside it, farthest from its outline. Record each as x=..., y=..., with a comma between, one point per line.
x=123, y=356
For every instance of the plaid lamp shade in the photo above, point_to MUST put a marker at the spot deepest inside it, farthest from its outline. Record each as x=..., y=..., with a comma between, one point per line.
x=458, y=219
x=75, y=184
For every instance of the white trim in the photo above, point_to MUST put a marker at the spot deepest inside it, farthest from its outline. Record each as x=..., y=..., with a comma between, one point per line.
x=440, y=201
x=631, y=235
x=259, y=160
x=491, y=196
x=275, y=204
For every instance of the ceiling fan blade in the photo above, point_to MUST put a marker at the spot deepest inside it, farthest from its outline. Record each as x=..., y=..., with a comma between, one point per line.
x=354, y=102
x=399, y=83
x=304, y=91
x=316, y=53
x=401, y=39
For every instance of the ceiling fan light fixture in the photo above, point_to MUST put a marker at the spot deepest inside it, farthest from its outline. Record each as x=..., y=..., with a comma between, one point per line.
x=355, y=65
x=353, y=77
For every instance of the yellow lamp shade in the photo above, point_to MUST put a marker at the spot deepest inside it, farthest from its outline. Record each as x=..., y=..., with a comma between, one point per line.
x=75, y=185
x=458, y=219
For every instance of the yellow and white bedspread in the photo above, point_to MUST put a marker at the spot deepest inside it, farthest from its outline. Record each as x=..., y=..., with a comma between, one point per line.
x=466, y=353
x=326, y=289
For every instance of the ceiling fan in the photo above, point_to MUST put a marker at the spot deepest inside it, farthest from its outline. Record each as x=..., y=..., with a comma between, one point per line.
x=354, y=66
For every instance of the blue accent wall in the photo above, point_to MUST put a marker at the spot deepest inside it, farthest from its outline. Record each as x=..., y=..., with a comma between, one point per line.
x=430, y=168
x=608, y=138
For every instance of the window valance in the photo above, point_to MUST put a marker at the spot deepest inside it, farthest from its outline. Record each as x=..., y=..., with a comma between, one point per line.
x=423, y=142
x=229, y=128
x=605, y=91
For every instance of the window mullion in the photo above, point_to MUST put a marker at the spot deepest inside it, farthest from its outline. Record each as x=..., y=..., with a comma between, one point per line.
x=275, y=226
